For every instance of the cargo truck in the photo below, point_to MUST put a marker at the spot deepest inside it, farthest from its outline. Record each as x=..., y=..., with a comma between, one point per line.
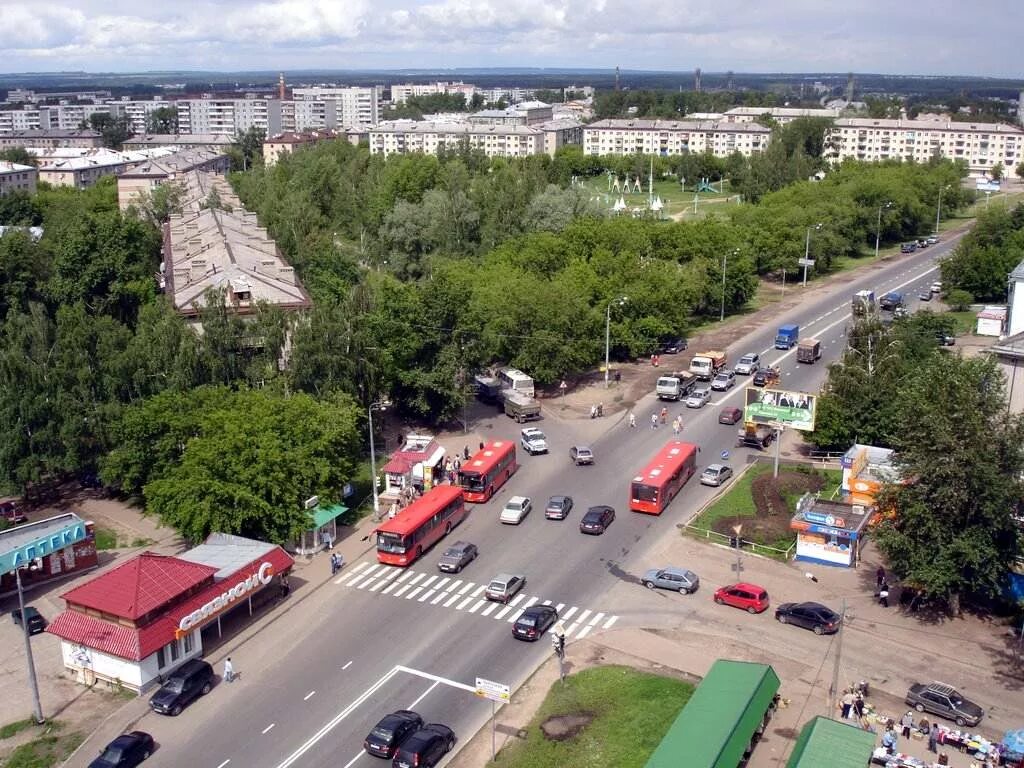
x=520, y=407
x=863, y=303
x=488, y=389
x=787, y=336
x=706, y=364
x=675, y=385
x=755, y=435
x=808, y=351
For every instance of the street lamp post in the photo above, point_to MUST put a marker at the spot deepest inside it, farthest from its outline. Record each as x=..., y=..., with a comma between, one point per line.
x=807, y=251
x=37, y=708
x=938, y=208
x=380, y=405
x=878, y=227
x=608, y=336
x=725, y=262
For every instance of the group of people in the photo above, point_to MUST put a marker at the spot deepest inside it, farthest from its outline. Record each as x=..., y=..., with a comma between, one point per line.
x=337, y=561
x=596, y=410
x=451, y=467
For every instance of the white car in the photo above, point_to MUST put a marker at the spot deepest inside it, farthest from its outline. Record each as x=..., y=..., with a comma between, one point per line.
x=515, y=509
x=698, y=398
x=748, y=364
x=937, y=287
x=724, y=381
x=533, y=441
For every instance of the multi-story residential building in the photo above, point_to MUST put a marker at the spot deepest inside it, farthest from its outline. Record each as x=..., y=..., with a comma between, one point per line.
x=146, y=176
x=285, y=143
x=978, y=145
x=77, y=167
x=19, y=120
x=403, y=136
x=85, y=137
x=68, y=117
x=400, y=92
x=351, y=105
x=17, y=178
x=138, y=112
x=673, y=137
x=781, y=115
x=511, y=95
x=230, y=116
x=560, y=133
x=219, y=141
x=526, y=113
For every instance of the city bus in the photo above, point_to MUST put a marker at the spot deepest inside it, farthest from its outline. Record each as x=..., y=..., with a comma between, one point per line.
x=487, y=471
x=402, y=539
x=657, y=484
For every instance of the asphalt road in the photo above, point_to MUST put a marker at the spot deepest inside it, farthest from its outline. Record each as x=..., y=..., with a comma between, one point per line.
x=368, y=644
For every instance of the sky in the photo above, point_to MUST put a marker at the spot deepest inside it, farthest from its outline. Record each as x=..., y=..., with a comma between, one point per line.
x=919, y=37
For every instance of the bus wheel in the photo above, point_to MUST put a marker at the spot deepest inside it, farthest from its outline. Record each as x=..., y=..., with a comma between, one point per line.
x=419, y=552
x=447, y=528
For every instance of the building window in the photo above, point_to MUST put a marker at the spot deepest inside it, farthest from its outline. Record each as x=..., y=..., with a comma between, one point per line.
x=173, y=645
x=161, y=659
x=189, y=643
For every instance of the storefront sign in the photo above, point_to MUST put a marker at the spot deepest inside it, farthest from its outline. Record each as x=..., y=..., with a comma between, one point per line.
x=821, y=518
x=226, y=599
x=47, y=545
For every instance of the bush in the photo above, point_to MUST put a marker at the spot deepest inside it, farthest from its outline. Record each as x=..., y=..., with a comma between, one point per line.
x=959, y=300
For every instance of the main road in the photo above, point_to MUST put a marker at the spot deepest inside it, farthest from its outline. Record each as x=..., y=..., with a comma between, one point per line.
x=374, y=640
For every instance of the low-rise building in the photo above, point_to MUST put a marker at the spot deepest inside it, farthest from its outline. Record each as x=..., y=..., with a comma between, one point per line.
x=77, y=167
x=82, y=137
x=400, y=92
x=526, y=113
x=286, y=143
x=221, y=141
x=781, y=115
x=146, y=176
x=403, y=136
x=673, y=137
x=829, y=532
x=560, y=133
x=15, y=177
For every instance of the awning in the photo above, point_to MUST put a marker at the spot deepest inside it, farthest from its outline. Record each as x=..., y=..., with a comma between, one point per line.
x=323, y=515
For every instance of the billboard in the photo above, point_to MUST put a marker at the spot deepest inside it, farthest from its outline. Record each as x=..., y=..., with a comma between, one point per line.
x=795, y=410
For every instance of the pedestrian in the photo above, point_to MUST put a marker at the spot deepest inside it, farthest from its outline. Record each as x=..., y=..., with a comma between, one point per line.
x=654, y=359
x=457, y=465
x=632, y=419
x=858, y=708
x=883, y=595
x=481, y=445
x=465, y=453
x=880, y=577
x=907, y=723
x=933, y=738
x=285, y=586
x=654, y=421
x=600, y=409
x=846, y=704
x=664, y=415
x=889, y=740
x=677, y=424
x=334, y=563
x=593, y=411
x=229, y=670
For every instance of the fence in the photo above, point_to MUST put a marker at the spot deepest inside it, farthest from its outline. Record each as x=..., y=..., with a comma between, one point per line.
x=730, y=542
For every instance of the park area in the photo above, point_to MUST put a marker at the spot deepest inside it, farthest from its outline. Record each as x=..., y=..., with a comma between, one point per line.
x=679, y=202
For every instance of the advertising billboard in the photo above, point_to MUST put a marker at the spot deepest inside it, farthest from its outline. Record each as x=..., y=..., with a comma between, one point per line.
x=795, y=410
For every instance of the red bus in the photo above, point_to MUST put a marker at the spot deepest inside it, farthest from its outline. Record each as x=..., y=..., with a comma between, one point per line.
x=488, y=470
x=657, y=484
x=415, y=529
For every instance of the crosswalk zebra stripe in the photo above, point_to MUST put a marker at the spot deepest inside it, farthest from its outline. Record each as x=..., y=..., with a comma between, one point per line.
x=489, y=609
x=596, y=619
x=389, y=587
x=477, y=605
x=451, y=600
x=464, y=603
x=413, y=594
x=479, y=590
x=402, y=589
x=569, y=613
x=426, y=595
x=612, y=620
x=584, y=632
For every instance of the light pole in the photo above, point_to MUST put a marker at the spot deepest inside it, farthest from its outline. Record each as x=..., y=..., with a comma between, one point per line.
x=738, y=529
x=725, y=262
x=37, y=708
x=807, y=250
x=608, y=335
x=878, y=226
x=938, y=208
x=380, y=405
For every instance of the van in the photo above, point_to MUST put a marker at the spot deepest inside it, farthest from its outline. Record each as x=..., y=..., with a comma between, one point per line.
x=11, y=510
x=517, y=381
x=187, y=683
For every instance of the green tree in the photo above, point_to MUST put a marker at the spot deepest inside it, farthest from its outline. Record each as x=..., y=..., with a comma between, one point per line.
x=115, y=130
x=1020, y=170
x=987, y=254
x=996, y=172
x=156, y=205
x=18, y=155
x=959, y=300
x=948, y=531
x=163, y=120
x=247, y=149
x=20, y=209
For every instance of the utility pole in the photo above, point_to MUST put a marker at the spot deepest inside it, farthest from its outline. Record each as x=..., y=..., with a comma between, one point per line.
x=725, y=261
x=834, y=690
x=778, y=444
x=37, y=708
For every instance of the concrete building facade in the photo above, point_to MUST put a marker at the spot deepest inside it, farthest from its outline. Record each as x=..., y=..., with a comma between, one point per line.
x=673, y=137
x=404, y=136
x=83, y=137
x=17, y=178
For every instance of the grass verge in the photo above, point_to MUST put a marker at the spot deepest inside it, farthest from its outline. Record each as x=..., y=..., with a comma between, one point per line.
x=51, y=747
x=13, y=729
x=105, y=539
x=964, y=321
x=629, y=713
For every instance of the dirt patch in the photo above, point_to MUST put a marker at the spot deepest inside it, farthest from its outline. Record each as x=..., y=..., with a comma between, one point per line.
x=565, y=727
x=770, y=496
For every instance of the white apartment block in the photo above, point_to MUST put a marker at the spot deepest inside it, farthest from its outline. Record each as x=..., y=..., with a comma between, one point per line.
x=17, y=178
x=84, y=137
x=673, y=137
x=18, y=120
x=781, y=115
x=400, y=92
x=351, y=105
x=979, y=145
x=138, y=112
x=404, y=136
x=230, y=116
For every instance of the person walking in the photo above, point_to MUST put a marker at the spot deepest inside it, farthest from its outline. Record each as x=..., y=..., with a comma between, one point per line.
x=632, y=419
x=654, y=421
x=889, y=740
x=229, y=670
x=858, y=708
x=933, y=738
x=880, y=577
x=677, y=424
x=847, y=704
x=883, y=595
x=907, y=723
x=465, y=453
x=334, y=563
x=664, y=415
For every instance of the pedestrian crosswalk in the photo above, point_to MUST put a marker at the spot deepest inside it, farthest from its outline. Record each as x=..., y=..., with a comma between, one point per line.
x=466, y=596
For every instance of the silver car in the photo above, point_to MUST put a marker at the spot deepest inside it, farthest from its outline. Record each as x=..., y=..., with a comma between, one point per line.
x=715, y=474
x=680, y=579
x=699, y=398
x=724, y=380
x=504, y=587
x=748, y=364
x=457, y=556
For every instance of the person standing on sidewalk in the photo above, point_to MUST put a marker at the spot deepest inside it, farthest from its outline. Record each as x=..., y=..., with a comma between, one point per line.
x=847, y=704
x=880, y=577
x=334, y=563
x=907, y=723
x=632, y=419
x=933, y=738
x=883, y=595
x=654, y=421
x=664, y=415
x=229, y=670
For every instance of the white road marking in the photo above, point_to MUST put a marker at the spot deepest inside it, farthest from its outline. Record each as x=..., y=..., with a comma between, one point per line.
x=429, y=581
x=477, y=605
x=359, y=566
x=451, y=600
x=612, y=620
x=401, y=590
x=584, y=632
x=423, y=695
x=500, y=614
x=465, y=589
x=405, y=576
x=490, y=608
x=479, y=590
x=559, y=607
x=428, y=676
x=440, y=596
x=583, y=616
x=569, y=613
x=418, y=577
x=388, y=578
x=464, y=603
x=546, y=602
x=572, y=628
x=224, y=763
x=389, y=587
x=309, y=696
x=442, y=582
x=268, y=728
x=347, y=665
x=368, y=574
x=426, y=595
x=413, y=594
x=596, y=619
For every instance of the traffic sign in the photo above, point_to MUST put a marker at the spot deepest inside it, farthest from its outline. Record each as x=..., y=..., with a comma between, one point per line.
x=725, y=454
x=488, y=689
x=805, y=262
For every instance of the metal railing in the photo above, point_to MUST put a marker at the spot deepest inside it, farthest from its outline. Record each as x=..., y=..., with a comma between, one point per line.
x=745, y=544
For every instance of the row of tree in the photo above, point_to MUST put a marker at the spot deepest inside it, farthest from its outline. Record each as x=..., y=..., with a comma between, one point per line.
x=987, y=254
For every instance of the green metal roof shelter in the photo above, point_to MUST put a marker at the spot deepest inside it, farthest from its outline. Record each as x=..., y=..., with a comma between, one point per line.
x=719, y=723
x=825, y=743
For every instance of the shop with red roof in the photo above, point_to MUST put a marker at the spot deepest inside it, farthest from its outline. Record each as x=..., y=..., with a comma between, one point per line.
x=137, y=622
x=417, y=464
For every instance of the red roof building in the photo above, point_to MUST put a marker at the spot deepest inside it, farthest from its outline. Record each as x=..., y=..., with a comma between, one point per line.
x=417, y=463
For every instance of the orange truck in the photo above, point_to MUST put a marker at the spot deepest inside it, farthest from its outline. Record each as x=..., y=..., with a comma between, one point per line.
x=706, y=364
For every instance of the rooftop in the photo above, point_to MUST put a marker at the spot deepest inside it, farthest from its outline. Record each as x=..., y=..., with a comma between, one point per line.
x=415, y=126
x=227, y=553
x=928, y=125
x=56, y=133
x=676, y=125
x=172, y=165
x=8, y=167
x=172, y=139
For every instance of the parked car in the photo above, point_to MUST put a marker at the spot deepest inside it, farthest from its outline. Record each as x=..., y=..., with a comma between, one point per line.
x=533, y=441
x=36, y=623
x=766, y=377
x=387, y=735
x=908, y=247
x=581, y=454
x=425, y=748
x=698, y=398
x=945, y=339
x=945, y=701
x=504, y=587
x=936, y=287
x=715, y=474
x=534, y=622
x=724, y=380
x=750, y=597
x=924, y=296
x=515, y=510
x=597, y=519
x=674, y=346
x=899, y=312
x=558, y=507
x=814, y=616
x=11, y=510
x=457, y=556
x=730, y=415
x=932, y=239
x=670, y=577
x=187, y=683
x=126, y=751
x=748, y=364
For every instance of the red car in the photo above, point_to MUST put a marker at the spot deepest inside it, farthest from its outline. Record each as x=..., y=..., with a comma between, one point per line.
x=730, y=415
x=749, y=597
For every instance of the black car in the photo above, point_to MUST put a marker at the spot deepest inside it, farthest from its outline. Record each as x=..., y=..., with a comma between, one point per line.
x=426, y=747
x=126, y=751
x=558, y=507
x=36, y=623
x=186, y=684
x=908, y=247
x=814, y=616
x=457, y=556
x=597, y=520
x=534, y=622
x=673, y=346
x=391, y=732
x=945, y=339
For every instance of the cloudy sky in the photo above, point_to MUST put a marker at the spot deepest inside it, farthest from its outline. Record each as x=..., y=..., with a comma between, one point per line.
x=972, y=37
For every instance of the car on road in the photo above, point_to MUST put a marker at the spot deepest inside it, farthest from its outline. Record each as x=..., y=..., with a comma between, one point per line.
x=680, y=579
x=425, y=747
x=749, y=597
x=126, y=751
x=581, y=454
x=945, y=701
x=674, y=346
x=533, y=441
x=748, y=364
x=924, y=296
x=766, y=377
x=936, y=287
x=724, y=380
x=504, y=587
x=388, y=735
x=900, y=312
x=945, y=339
x=597, y=519
x=187, y=683
x=932, y=239
x=558, y=507
x=908, y=247
x=730, y=415
x=457, y=556
x=699, y=398
x=715, y=474
x=534, y=622
x=813, y=616
x=36, y=623
x=11, y=510
x=515, y=510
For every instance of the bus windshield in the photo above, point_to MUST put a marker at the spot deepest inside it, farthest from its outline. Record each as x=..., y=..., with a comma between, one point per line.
x=644, y=492
x=471, y=481
x=391, y=542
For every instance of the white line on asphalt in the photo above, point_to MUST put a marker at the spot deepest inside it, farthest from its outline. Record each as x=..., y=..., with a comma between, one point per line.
x=529, y=602
x=583, y=616
x=559, y=607
x=501, y=614
x=429, y=581
x=465, y=589
x=584, y=632
x=368, y=574
x=452, y=600
x=440, y=596
x=546, y=602
x=365, y=582
x=464, y=603
x=517, y=599
x=612, y=620
x=389, y=587
x=401, y=590
x=418, y=577
x=596, y=619
x=426, y=595
x=354, y=760
x=479, y=590
x=388, y=577
x=454, y=585
x=428, y=676
x=477, y=605
x=412, y=594
x=405, y=576
x=572, y=628
x=359, y=566
x=268, y=728
x=347, y=665
x=569, y=613
x=224, y=763
x=309, y=696
x=442, y=582
x=489, y=609
x=423, y=695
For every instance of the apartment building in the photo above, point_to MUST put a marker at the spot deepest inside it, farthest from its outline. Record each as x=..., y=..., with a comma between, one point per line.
x=351, y=105
x=146, y=176
x=17, y=178
x=979, y=145
x=138, y=112
x=220, y=141
x=230, y=116
x=526, y=113
x=400, y=92
x=560, y=133
x=780, y=115
x=285, y=143
x=78, y=167
x=404, y=136
x=673, y=137
x=85, y=138
x=19, y=120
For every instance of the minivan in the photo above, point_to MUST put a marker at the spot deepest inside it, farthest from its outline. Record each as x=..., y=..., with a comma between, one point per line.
x=425, y=747
x=187, y=683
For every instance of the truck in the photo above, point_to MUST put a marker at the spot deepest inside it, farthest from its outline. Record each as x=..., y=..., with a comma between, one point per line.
x=754, y=435
x=488, y=389
x=787, y=336
x=516, y=381
x=808, y=351
x=675, y=385
x=863, y=303
x=706, y=364
x=520, y=407
x=891, y=301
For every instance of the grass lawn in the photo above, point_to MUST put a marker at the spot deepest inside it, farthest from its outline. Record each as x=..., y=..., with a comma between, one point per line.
x=105, y=539
x=51, y=747
x=631, y=711
x=965, y=321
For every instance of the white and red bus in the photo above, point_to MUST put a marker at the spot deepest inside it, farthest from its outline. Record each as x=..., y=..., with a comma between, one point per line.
x=487, y=471
x=657, y=484
x=414, y=530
